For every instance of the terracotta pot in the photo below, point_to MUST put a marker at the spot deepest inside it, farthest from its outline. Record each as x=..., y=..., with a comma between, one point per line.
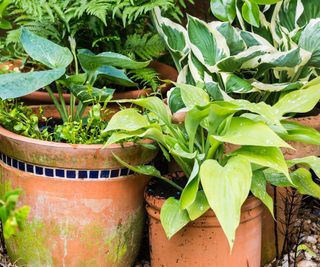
x=86, y=209
x=202, y=243
x=273, y=231
x=165, y=71
x=11, y=65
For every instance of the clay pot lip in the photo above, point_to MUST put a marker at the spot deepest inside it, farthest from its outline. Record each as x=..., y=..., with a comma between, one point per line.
x=24, y=139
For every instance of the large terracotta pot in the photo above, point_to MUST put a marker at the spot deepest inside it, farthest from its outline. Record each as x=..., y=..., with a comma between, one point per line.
x=86, y=209
x=202, y=243
x=165, y=71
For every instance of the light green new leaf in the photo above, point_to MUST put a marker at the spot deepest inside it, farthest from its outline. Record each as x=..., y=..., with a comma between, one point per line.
x=300, y=133
x=312, y=162
x=128, y=120
x=271, y=157
x=310, y=41
x=243, y=131
x=207, y=44
x=189, y=193
x=155, y=105
x=14, y=85
x=302, y=180
x=250, y=13
x=298, y=101
x=258, y=189
x=226, y=189
x=224, y=10
x=265, y=2
x=45, y=51
x=172, y=217
x=193, y=96
x=199, y=206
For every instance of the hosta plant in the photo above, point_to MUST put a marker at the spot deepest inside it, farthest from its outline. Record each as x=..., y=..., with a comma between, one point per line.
x=225, y=149
x=232, y=63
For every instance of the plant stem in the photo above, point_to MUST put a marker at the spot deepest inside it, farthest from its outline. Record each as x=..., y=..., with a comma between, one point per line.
x=62, y=102
x=64, y=116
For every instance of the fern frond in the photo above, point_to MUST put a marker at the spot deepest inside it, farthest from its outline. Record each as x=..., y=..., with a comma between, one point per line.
x=147, y=77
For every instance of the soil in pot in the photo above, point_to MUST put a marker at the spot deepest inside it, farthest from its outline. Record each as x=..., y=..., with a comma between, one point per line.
x=202, y=243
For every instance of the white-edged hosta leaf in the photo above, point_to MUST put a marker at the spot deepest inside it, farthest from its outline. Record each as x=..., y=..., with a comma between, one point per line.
x=276, y=87
x=235, y=84
x=271, y=157
x=207, y=44
x=127, y=120
x=226, y=189
x=312, y=162
x=310, y=41
x=45, y=51
x=252, y=39
x=199, y=206
x=193, y=96
x=197, y=69
x=172, y=217
x=14, y=85
x=259, y=189
x=189, y=193
x=232, y=36
x=243, y=131
x=224, y=10
x=298, y=101
x=300, y=133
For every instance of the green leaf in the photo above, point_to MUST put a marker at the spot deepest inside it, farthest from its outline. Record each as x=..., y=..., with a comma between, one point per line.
x=302, y=180
x=259, y=190
x=226, y=189
x=115, y=76
x=271, y=157
x=87, y=93
x=45, y=51
x=193, y=96
x=235, y=84
x=250, y=13
x=312, y=162
x=172, y=217
x=304, y=247
x=199, y=206
x=224, y=10
x=243, y=131
x=128, y=120
x=276, y=178
x=92, y=63
x=175, y=101
x=265, y=2
x=299, y=101
x=189, y=193
x=310, y=41
x=15, y=85
x=207, y=44
x=300, y=133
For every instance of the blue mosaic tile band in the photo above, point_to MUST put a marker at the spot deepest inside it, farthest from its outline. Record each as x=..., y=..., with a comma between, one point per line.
x=63, y=173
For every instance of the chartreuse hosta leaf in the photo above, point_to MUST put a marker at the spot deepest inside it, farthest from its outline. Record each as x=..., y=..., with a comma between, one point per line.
x=172, y=217
x=250, y=12
x=243, y=131
x=312, y=162
x=45, y=51
x=207, y=44
x=259, y=190
x=271, y=157
x=299, y=101
x=226, y=189
x=199, y=206
x=192, y=95
x=310, y=41
x=14, y=85
x=299, y=133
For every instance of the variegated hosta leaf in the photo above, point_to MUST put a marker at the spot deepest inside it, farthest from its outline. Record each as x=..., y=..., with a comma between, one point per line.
x=276, y=87
x=207, y=44
x=252, y=39
x=310, y=41
x=232, y=36
x=234, y=84
x=226, y=189
x=196, y=68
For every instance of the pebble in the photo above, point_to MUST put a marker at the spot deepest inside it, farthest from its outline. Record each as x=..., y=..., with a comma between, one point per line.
x=306, y=263
x=311, y=239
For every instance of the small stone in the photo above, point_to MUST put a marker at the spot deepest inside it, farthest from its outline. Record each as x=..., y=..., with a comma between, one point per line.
x=306, y=263
x=311, y=240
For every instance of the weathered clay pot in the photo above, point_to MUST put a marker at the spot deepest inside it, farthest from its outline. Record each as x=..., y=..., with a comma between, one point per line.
x=86, y=209
x=11, y=65
x=202, y=243
x=165, y=71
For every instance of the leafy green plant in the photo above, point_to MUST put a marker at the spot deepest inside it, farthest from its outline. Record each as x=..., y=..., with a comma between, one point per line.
x=232, y=63
x=12, y=218
x=226, y=149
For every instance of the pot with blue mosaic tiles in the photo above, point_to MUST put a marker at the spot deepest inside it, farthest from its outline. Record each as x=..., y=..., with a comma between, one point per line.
x=86, y=209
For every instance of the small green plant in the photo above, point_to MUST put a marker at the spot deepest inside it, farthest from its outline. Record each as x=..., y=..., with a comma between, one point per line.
x=226, y=150
x=12, y=218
